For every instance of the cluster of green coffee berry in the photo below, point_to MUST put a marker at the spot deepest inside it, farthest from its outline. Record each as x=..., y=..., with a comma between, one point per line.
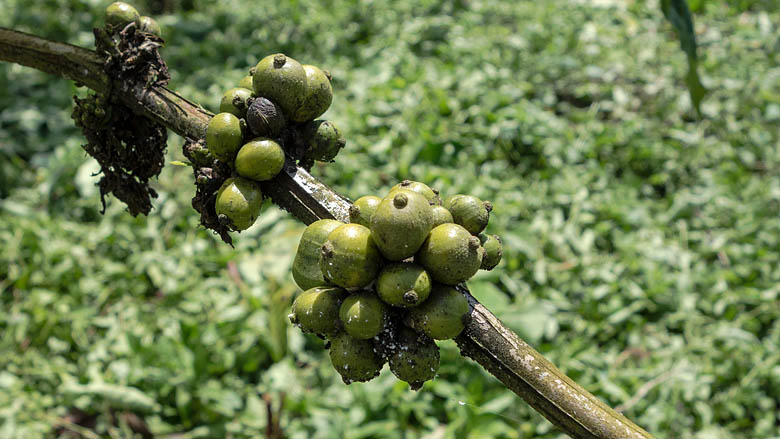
x=120, y=14
x=271, y=112
x=382, y=287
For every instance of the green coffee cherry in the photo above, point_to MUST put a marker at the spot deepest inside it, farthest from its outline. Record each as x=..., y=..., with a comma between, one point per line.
x=150, y=26
x=281, y=79
x=493, y=251
x=470, y=212
x=401, y=223
x=450, y=254
x=442, y=316
x=403, y=284
x=306, y=266
x=224, y=137
x=362, y=210
x=363, y=315
x=319, y=95
x=421, y=188
x=316, y=310
x=238, y=203
x=246, y=82
x=322, y=140
x=349, y=257
x=120, y=14
x=353, y=359
x=264, y=118
x=441, y=216
x=260, y=160
x=235, y=102
x=415, y=359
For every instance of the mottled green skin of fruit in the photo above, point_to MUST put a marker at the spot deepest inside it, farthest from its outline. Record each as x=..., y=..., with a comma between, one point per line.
x=319, y=95
x=363, y=315
x=316, y=310
x=149, y=25
x=234, y=101
x=441, y=216
x=224, y=137
x=265, y=118
x=306, y=264
x=493, y=251
x=282, y=80
x=322, y=140
x=363, y=209
x=349, y=257
x=442, y=316
x=120, y=14
x=403, y=284
x=450, y=254
x=260, y=160
x=246, y=82
x=470, y=212
x=401, y=223
x=416, y=186
x=239, y=200
x=416, y=359
x=353, y=359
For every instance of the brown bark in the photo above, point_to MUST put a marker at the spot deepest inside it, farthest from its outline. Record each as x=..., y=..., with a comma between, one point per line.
x=486, y=340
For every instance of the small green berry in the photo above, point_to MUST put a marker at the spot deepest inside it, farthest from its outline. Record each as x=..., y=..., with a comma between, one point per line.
x=120, y=14
x=224, y=136
x=239, y=201
x=260, y=160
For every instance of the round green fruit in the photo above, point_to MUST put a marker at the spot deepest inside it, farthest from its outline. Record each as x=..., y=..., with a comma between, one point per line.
x=120, y=14
x=238, y=203
x=316, y=310
x=450, y=254
x=264, y=118
x=442, y=316
x=319, y=95
x=322, y=140
x=150, y=26
x=415, y=186
x=282, y=80
x=493, y=251
x=403, y=284
x=363, y=315
x=353, y=359
x=415, y=359
x=401, y=223
x=260, y=160
x=362, y=210
x=470, y=212
x=224, y=137
x=246, y=82
x=306, y=266
x=349, y=257
x=235, y=102
x=441, y=216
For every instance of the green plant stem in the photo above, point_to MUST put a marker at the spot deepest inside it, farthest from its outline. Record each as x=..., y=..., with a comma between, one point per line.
x=486, y=340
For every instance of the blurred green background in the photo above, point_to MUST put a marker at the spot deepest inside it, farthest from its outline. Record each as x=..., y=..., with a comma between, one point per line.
x=642, y=246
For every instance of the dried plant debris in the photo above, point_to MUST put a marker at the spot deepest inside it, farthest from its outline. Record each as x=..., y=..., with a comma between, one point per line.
x=129, y=148
x=209, y=176
x=132, y=55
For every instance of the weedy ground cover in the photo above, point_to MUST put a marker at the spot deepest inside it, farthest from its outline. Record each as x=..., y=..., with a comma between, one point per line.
x=641, y=245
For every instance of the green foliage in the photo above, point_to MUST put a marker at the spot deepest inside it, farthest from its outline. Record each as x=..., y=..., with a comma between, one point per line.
x=640, y=247
x=676, y=11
